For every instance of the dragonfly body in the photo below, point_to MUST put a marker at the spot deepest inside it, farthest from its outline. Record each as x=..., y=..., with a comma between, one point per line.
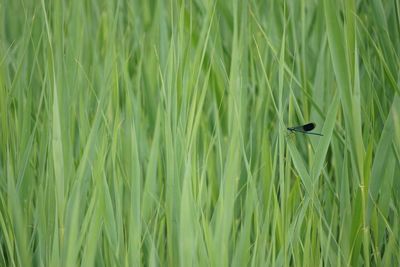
x=305, y=129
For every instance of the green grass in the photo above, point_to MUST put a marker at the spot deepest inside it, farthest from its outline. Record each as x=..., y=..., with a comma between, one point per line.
x=154, y=133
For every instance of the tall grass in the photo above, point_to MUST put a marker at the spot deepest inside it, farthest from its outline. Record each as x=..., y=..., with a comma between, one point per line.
x=154, y=133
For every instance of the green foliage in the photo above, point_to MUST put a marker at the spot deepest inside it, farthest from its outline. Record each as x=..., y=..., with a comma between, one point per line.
x=154, y=133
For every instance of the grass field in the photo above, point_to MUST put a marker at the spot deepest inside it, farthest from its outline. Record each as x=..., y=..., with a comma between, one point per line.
x=154, y=133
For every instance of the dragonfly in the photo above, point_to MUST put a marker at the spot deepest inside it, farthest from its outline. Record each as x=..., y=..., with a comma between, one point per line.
x=305, y=129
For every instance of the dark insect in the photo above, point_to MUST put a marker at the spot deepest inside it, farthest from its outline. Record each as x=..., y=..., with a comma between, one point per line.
x=305, y=129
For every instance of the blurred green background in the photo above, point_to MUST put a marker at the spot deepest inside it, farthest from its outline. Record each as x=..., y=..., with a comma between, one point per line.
x=154, y=133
